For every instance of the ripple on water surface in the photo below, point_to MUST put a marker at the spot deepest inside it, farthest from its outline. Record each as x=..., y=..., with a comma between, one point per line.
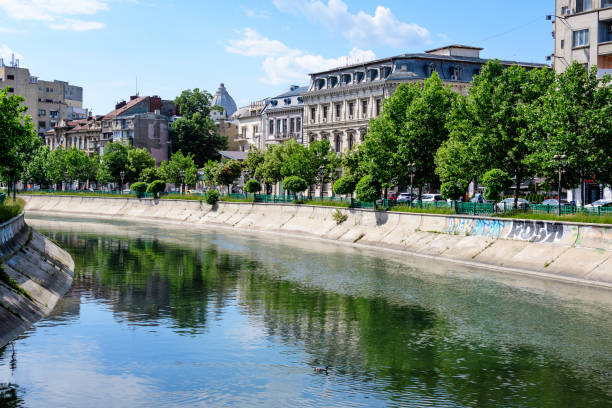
x=179, y=317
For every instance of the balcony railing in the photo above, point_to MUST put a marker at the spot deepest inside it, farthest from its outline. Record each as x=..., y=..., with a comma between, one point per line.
x=605, y=48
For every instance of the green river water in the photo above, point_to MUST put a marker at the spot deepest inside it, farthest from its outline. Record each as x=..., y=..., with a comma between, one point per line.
x=171, y=316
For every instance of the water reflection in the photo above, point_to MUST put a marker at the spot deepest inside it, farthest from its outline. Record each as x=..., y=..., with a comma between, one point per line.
x=177, y=317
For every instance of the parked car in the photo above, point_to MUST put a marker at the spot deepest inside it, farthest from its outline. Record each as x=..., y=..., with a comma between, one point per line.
x=428, y=198
x=405, y=197
x=554, y=201
x=478, y=198
x=508, y=204
x=600, y=203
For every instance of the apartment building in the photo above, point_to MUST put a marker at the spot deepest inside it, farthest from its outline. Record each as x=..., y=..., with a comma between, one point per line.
x=47, y=101
x=250, y=126
x=83, y=134
x=282, y=117
x=583, y=32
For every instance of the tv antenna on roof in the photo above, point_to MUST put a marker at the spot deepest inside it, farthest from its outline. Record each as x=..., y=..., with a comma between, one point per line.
x=136, y=85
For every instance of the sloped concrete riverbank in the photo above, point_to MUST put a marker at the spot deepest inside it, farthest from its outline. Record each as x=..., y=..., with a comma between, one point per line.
x=34, y=274
x=580, y=253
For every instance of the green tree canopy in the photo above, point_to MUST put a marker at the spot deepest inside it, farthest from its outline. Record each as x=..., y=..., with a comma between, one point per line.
x=114, y=161
x=227, y=172
x=345, y=185
x=137, y=161
x=171, y=170
x=368, y=189
x=295, y=184
x=496, y=181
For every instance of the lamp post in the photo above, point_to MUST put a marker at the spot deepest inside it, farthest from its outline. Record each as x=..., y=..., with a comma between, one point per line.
x=65, y=179
x=321, y=174
x=561, y=161
x=122, y=175
x=411, y=171
x=182, y=180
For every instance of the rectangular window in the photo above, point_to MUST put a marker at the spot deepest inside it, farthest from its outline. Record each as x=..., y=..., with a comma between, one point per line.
x=338, y=108
x=292, y=125
x=562, y=44
x=10, y=77
x=313, y=113
x=606, y=3
x=584, y=5
x=11, y=90
x=42, y=124
x=325, y=112
x=42, y=112
x=298, y=124
x=581, y=38
x=244, y=132
x=563, y=10
x=271, y=126
x=364, y=107
x=377, y=107
x=284, y=126
x=351, y=108
x=278, y=126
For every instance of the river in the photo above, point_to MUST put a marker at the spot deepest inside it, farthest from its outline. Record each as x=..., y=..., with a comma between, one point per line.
x=172, y=316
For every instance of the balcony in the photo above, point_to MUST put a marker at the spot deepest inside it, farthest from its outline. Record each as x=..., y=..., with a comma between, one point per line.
x=605, y=48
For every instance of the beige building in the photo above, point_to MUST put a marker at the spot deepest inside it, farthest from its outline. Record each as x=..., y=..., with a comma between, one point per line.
x=250, y=127
x=583, y=33
x=47, y=101
x=83, y=134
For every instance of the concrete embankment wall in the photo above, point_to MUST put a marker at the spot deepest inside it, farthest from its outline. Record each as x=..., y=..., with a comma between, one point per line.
x=39, y=267
x=577, y=252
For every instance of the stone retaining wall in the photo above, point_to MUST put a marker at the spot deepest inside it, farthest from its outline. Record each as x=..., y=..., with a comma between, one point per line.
x=577, y=252
x=42, y=270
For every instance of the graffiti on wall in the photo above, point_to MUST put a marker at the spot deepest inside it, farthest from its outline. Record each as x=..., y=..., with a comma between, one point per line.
x=8, y=230
x=479, y=227
x=536, y=231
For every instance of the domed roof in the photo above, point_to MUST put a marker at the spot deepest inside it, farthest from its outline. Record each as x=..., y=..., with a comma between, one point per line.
x=224, y=100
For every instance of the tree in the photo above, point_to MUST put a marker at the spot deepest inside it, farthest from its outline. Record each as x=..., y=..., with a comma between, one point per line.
x=295, y=184
x=114, y=161
x=77, y=165
x=137, y=161
x=195, y=132
x=345, y=185
x=379, y=153
x=139, y=188
x=150, y=174
x=368, y=189
x=156, y=187
x=493, y=120
x=297, y=160
x=324, y=161
x=496, y=181
x=270, y=169
x=227, y=172
x=425, y=131
x=171, y=170
x=36, y=169
x=453, y=189
x=208, y=172
x=18, y=139
x=252, y=186
x=56, y=166
x=574, y=118
x=253, y=160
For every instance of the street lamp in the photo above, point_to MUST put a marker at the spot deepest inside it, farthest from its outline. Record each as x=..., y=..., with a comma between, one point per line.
x=182, y=180
x=65, y=179
x=321, y=174
x=561, y=161
x=122, y=175
x=411, y=171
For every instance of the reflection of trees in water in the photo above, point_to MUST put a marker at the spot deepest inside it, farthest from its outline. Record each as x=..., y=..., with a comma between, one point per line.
x=10, y=394
x=410, y=349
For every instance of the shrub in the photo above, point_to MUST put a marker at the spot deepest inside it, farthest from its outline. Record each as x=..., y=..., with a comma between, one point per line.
x=339, y=217
x=368, y=189
x=496, y=181
x=295, y=184
x=345, y=185
x=11, y=209
x=252, y=186
x=156, y=187
x=139, y=188
x=211, y=197
x=452, y=189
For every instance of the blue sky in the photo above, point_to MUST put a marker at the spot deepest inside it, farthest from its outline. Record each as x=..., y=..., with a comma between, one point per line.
x=257, y=48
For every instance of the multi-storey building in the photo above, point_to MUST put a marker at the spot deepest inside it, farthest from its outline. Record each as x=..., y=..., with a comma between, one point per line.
x=250, y=126
x=282, y=117
x=83, y=134
x=583, y=32
x=47, y=101
x=340, y=102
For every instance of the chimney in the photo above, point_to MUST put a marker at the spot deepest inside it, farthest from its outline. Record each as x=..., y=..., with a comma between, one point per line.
x=133, y=97
x=155, y=104
x=120, y=105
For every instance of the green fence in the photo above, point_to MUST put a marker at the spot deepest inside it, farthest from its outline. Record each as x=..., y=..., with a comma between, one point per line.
x=2, y=198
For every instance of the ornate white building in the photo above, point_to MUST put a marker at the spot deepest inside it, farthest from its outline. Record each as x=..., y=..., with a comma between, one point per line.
x=283, y=116
x=340, y=102
x=250, y=126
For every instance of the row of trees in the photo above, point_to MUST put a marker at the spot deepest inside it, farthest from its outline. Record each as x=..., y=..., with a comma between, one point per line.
x=508, y=128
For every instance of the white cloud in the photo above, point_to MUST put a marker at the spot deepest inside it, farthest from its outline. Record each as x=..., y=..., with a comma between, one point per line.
x=362, y=29
x=255, y=13
x=57, y=14
x=7, y=53
x=283, y=64
x=70, y=24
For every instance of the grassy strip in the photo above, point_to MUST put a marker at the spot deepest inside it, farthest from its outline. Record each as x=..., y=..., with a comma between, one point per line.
x=236, y=200
x=433, y=210
x=327, y=203
x=78, y=194
x=10, y=282
x=586, y=218
x=11, y=209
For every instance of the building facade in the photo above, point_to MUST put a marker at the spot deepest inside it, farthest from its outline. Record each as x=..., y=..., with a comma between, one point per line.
x=82, y=134
x=250, y=125
x=583, y=32
x=47, y=101
x=339, y=103
x=282, y=117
